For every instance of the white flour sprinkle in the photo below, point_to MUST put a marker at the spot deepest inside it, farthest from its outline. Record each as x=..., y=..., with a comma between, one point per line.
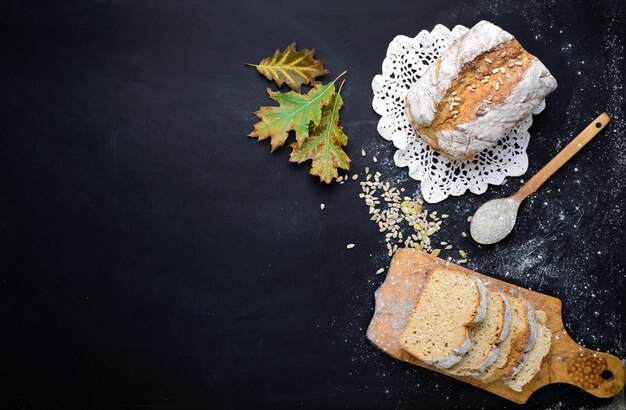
x=494, y=220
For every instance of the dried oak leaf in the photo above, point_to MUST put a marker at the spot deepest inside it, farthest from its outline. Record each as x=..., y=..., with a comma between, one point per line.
x=324, y=147
x=292, y=67
x=296, y=112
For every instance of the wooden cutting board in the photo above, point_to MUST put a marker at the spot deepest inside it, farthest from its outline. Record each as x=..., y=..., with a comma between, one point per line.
x=598, y=373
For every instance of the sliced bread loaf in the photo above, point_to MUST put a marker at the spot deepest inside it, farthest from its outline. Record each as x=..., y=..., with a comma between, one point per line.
x=437, y=329
x=511, y=350
x=532, y=362
x=483, y=337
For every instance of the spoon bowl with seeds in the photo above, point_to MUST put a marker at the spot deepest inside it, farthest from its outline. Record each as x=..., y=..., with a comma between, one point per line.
x=495, y=219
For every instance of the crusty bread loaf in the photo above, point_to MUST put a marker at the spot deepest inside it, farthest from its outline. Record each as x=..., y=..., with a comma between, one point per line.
x=532, y=362
x=483, y=337
x=511, y=350
x=437, y=329
x=477, y=91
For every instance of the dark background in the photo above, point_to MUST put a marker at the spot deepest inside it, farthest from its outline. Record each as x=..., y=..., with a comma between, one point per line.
x=153, y=255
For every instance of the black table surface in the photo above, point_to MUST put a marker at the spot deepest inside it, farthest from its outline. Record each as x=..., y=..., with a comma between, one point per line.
x=155, y=256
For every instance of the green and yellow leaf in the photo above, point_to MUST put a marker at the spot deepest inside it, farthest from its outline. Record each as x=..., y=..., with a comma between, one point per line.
x=324, y=147
x=295, y=112
x=292, y=67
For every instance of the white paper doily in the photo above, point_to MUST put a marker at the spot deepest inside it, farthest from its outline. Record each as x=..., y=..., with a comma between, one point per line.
x=406, y=60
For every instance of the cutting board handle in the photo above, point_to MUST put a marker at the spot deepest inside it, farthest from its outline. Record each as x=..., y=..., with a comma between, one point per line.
x=600, y=374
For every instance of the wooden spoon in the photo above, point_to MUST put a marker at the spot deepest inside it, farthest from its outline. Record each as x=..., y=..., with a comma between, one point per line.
x=495, y=219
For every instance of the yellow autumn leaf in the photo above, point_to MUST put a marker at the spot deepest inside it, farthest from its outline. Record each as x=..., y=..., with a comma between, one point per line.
x=292, y=67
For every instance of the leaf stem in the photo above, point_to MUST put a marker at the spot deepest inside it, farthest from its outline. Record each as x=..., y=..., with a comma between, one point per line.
x=341, y=85
x=340, y=75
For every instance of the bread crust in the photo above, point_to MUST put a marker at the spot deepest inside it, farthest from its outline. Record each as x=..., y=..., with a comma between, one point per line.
x=467, y=369
x=517, y=340
x=480, y=88
x=534, y=358
x=520, y=339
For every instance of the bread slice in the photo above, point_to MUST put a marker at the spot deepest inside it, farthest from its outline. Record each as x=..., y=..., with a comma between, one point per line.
x=437, y=329
x=532, y=362
x=511, y=350
x=483, y=337
x=532, y=338
x=514, y=363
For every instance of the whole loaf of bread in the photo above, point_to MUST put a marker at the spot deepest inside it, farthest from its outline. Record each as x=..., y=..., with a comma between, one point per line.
x=477, y=91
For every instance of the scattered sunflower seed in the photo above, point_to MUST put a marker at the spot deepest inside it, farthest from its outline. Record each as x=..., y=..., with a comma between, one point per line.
x=362, y=152
x=375, y=159
x=395, y=211
x=350, y=246
x=463, y=254
x=322, y=206
x=379, y=271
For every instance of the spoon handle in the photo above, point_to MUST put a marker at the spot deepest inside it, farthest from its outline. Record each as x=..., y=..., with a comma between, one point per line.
x=562, y=157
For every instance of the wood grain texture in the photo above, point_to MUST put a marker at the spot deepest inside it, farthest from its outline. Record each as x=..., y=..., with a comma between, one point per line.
x=598, y=373
x=562, y=157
